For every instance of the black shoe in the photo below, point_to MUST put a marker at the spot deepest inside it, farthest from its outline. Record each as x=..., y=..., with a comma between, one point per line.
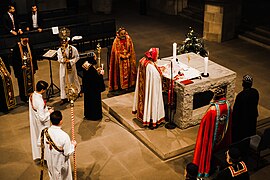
x=63, y=101
x=151, y=127
x=37, y=161
x=92, y=119
x=80, y=94
x=24, y=99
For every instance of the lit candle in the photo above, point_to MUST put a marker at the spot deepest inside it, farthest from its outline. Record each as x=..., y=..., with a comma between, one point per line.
x=205, y=66
x=174, y=51
x=102, y=71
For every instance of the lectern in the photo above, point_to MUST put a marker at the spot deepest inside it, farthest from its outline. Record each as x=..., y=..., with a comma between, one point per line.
x=51, y=55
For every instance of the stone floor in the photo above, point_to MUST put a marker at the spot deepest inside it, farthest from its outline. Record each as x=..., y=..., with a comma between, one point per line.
x=106, y=149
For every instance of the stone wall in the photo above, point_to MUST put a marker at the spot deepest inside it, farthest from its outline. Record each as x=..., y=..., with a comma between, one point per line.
x=185, y=115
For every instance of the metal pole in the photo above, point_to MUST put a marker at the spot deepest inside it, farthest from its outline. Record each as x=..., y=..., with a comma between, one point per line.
x=170, y=124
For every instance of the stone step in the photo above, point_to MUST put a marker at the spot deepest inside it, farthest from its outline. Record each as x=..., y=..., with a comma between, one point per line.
x=259, y=35
x=193, y=15
x=196, y=7
x=253, y=41
x=260, y=30
x=194, y=11
x=265, y=31
x=263, y=119
x=165, y=143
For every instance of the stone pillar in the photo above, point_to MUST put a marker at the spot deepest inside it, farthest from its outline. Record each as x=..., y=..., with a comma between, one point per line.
x=221, y=19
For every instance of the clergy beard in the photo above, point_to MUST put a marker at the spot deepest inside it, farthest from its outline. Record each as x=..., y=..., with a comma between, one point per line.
x=24, y=42
x=64, y=46
x=122, y=37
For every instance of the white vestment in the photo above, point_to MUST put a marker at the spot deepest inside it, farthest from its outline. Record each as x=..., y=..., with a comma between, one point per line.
x=39, y=117
x=59, y=166
x=72, y=76
x=149, y=104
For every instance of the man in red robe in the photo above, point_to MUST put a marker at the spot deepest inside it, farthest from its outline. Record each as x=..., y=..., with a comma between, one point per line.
x=148, y=100
x=214, y=133
x=122, y=74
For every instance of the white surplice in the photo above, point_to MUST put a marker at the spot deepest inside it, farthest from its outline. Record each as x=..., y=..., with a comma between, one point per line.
x=153, y=106
x=39, y=119
x=59, y=166
x=72, y=76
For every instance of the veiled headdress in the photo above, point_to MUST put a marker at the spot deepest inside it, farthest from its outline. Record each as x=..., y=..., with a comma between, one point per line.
x=152, y=54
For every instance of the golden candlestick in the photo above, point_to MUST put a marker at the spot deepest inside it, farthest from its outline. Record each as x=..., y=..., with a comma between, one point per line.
x=98, y=52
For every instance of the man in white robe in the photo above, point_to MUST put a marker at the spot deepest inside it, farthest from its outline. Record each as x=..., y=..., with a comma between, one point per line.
x=39, y=116
x=67, y=57
x=58, y=148
x=148, y=100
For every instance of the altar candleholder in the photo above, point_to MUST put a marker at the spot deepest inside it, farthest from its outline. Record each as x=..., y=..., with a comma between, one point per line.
x=205, y=73
x=174, y=51
x=102, y=70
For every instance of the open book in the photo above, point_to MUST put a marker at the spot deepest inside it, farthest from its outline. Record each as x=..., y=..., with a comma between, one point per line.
x=50, y=53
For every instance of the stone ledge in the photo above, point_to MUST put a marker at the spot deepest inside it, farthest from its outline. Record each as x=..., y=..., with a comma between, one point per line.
x=164, y=143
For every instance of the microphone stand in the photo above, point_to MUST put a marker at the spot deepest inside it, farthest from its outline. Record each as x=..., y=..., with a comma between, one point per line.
x=170, y=124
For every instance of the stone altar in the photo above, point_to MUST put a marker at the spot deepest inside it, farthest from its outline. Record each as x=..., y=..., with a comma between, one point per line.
x=186, y=116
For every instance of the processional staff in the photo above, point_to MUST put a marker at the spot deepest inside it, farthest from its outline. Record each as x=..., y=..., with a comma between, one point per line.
x=72, y=94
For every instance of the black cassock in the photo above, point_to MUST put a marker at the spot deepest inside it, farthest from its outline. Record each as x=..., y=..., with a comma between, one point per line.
x=245, y=113
x=93, y=85
x=236, y=171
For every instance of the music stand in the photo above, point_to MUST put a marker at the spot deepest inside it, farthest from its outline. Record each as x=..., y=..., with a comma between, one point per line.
x=50, y=55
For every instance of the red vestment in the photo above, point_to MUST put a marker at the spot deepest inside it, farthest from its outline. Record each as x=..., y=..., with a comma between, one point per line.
x=122, y=74
x=148, y=100
x=214, y=134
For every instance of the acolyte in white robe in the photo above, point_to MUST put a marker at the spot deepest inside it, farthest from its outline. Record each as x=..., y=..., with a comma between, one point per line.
x=59, y=166
x=148, y=99
x=72, y=76
x=39, y=119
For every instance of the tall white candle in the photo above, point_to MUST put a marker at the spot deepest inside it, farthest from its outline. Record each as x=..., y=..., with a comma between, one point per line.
x=102, y=70
x=205, y=66
x=174, y=51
